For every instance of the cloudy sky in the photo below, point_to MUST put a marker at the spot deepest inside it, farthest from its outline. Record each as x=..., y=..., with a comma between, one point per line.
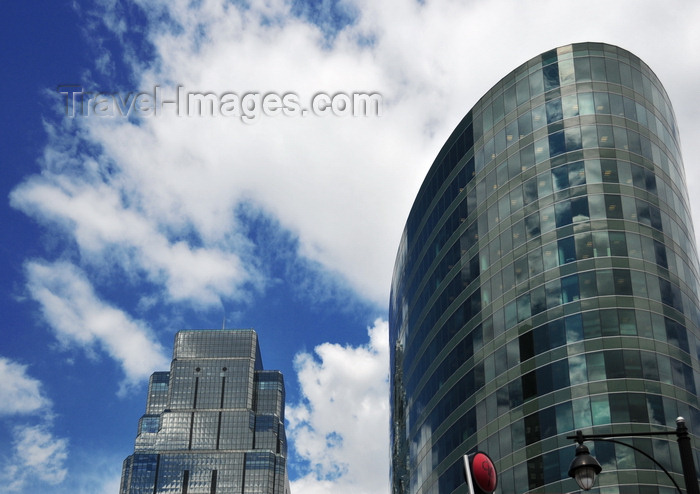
x=122, y=226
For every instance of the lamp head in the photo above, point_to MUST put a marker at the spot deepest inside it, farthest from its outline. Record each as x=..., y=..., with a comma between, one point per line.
x=584, y=468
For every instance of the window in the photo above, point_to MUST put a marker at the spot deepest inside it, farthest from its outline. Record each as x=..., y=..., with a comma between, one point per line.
x=569, y=288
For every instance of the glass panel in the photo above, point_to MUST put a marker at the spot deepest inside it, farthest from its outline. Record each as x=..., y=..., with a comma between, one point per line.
x=550, y=74
x=585, y=104
x=557, y=145
x=554, y=111
x=569, y=288
x=536, y=83
x=602, y=103
x=582, y=413
x=573, y=138
x=583, y=69
x=562, y=213
x=539, y=117
x=589, y=136
x=600, y=411
x=525, y=124
x=613, y=206
x=567, y=250
x=569, y=105
x=566, y=72
x=587, y=284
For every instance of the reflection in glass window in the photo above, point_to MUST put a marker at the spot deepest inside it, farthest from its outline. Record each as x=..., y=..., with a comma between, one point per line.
x=620, y=137
x=566, y=72
x=553, y=293
x=606, y=286
x=522, y=90
x=562, y=213
x=586, y=105
x=598, y=69
x=602, y=103
x=547, y=219
x=542, y=149
x=583, y=69
x=595, y=366
x=567, y=250
x=569, y=288
x=613, y=206
x=587, y=284
x=600, y=410
x=560, y=178
x=524, y=124
x=569, y=104
x=617, y=106
x=550, y=74
x=557, y=145
x=554, y=111
x=579, y=209
x=589, y=136
x=539, y=117
x=536, y=83
x=605, y=136
x=573, y=139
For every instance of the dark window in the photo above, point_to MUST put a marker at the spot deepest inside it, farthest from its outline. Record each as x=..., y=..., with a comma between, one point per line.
x=548, y=422
x=619, y=408
x=562, y=213
x=567, y=250
x=618, y=245
x=535, y=473
x=557, y=143
x=532, y=428
x=560, y=178
x=579, y=209
x=609, y=323
x=550, y=75
x=574, y=328
x=529, y=385
x=591, y=325
x=557, y=333
x=560, y=374
x=613, y=206
x=569, y=288
x=614, y=364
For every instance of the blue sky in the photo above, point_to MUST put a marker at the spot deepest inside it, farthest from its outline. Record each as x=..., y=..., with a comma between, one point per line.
x=121, y=230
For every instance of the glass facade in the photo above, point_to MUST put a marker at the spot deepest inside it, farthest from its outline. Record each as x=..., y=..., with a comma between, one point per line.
x=213, y=424
x=546, y=282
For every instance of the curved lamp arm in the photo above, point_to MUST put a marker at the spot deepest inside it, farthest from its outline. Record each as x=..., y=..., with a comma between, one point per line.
x=645, y=454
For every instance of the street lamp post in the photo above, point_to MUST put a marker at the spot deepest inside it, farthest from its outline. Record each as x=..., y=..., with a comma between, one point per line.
x=585, y=467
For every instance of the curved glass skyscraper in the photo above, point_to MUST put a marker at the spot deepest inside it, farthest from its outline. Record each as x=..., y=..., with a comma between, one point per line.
x=547, y=281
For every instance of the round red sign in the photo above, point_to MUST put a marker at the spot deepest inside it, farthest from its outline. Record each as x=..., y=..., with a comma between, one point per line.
x=484, y=472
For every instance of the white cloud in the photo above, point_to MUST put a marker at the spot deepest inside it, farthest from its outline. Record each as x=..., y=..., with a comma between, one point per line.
x=19, y=393
x=343, y=185
x=78, y=317
x=99, y=472
x=94, y=213
x=37, y=455
x=341, y=428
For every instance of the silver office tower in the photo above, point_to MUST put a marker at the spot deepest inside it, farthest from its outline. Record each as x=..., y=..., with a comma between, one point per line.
x=213, y=424
x=547, y=281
